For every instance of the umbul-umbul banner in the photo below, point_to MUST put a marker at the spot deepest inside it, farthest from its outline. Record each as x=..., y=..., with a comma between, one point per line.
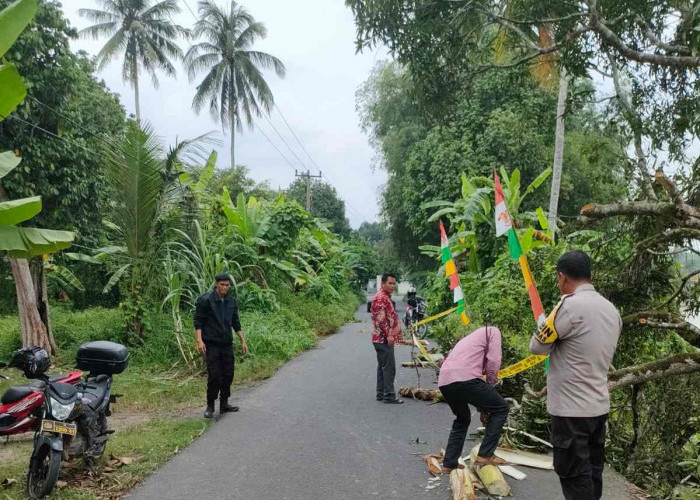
x=451, y=272
x=504, y=225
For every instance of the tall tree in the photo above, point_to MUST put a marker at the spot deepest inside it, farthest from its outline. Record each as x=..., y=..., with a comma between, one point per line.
x=140, y=31
x=234, y=87
x=21, y=242
x=325, y=203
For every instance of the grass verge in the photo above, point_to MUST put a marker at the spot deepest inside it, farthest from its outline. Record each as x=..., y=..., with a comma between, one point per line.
x=160, y=396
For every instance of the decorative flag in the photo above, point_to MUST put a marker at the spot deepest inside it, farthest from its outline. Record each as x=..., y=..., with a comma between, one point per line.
x=504, y=225
x=451, y=272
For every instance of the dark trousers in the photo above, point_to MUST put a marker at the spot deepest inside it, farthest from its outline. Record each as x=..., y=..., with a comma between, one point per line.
x=476, y=392
x=579, y=455
x=220, y=366
x=386, y=371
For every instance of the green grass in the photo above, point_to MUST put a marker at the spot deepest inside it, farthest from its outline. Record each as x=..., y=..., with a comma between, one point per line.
x=146, y=446
x=157, y=388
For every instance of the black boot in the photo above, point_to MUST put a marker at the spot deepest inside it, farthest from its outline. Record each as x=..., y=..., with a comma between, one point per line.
x=209, y=412
x=224, y=407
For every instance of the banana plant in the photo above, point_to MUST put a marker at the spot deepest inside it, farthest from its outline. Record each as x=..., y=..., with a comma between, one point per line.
x=247, y=219
x=475, y=206
x=25, y=242
x=20, y=242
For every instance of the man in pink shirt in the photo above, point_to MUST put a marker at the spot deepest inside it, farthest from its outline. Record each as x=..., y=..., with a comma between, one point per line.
x=475, y=357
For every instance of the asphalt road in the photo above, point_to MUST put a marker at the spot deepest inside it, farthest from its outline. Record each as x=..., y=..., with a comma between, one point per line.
x=315, y=431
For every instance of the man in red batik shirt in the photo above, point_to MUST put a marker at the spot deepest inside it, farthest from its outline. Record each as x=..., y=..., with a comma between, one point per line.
x=386, y=333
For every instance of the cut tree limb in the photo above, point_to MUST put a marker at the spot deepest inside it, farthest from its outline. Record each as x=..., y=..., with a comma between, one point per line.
x=462, y=487
x=663, y=319
x=648, y=208
x=432, y=395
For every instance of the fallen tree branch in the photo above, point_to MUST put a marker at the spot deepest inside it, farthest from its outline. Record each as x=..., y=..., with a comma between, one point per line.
x=680, y=233
x=671, y=366
x=670, y=187
x=678, y=364
x=668, y=321
x=646, y=208
x=431, y=395
x=684, y=282
x=688, y=331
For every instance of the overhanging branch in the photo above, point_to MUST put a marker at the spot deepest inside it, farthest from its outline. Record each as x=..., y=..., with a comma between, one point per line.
x=615, y=41
x=667, y=321
x=678, y=49
x=685, y=215
x=669, y=236
x=678, y=364
x=671, y=366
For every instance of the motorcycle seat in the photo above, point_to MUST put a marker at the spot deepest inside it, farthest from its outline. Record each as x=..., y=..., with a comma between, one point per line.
x=93, y=395
x=17, y=392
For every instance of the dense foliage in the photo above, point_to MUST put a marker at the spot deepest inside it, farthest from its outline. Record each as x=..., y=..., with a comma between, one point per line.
x=473, y=90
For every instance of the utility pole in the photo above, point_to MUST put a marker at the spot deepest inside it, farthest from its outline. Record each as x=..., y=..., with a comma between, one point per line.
x=308, y=176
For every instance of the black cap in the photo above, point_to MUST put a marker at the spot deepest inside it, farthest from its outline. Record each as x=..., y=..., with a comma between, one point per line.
x=223, y=277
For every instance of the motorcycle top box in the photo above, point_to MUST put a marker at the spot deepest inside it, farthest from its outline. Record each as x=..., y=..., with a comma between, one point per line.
x=102, y=358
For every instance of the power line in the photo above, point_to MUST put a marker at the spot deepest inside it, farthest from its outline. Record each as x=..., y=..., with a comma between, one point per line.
x=90, y=132
x=276, y=148
x=190, y=9
x=314, y=163
x=296, y=137
x=55, y=136
x=285, y=142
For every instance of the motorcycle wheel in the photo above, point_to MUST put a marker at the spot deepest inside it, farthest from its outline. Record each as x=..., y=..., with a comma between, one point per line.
x=43, y=472
x=421, y=331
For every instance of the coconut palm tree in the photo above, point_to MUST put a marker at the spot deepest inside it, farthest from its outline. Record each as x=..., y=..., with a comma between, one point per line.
x=234, y=87
x=139, y=30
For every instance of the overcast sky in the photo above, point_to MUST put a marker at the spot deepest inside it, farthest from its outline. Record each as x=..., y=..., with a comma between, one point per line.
x=315, y=40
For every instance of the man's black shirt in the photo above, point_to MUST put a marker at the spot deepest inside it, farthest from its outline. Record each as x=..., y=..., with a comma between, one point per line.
x=215, y=317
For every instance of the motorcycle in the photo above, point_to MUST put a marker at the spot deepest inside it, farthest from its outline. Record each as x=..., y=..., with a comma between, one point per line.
x=73, y=418
x=416, y=310
x=20, y=404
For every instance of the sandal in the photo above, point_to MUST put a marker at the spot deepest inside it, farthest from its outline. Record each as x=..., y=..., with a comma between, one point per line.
x=492, y=460
x=447, y=470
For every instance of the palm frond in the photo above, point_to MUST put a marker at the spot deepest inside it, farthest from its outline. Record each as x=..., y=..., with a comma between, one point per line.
x=135, y=172
x=267, y=61
x=99, y=16
x=111, y=49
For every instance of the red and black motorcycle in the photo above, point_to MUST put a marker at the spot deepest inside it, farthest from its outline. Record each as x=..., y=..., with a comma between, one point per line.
x=69, y=419
x=20, y=404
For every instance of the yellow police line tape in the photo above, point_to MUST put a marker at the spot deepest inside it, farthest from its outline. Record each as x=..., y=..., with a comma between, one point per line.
x=433, y=318
x=423, y=351
x=507, y=372
x=521, y=365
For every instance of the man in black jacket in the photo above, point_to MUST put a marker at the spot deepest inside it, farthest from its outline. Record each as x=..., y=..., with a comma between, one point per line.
x=215, y=315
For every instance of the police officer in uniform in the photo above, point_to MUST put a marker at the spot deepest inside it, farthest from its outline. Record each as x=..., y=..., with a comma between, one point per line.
x=216, y=313
x=580, y=335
